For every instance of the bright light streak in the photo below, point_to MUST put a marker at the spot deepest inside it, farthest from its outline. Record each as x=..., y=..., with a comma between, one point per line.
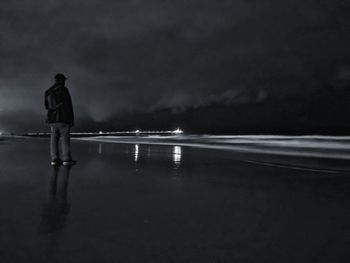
x=177, y=152
x=178, y=131
x=136, y=153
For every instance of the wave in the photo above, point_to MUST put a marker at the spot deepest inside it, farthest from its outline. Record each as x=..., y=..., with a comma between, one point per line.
x=332, y=147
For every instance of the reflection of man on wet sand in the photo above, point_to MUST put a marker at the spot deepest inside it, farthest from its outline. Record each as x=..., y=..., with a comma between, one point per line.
x=57, y=208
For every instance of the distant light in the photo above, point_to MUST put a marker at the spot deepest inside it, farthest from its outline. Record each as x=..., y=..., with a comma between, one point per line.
x=178, y=131
x=137, y=131
x=100, y=132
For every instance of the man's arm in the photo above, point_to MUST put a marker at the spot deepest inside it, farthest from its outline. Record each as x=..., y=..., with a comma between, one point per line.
x=57, y=106
x=50, y=104
x=70, y=105
x=46, y=104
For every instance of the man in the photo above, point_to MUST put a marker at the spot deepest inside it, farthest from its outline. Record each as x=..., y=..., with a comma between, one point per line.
x=60, y=116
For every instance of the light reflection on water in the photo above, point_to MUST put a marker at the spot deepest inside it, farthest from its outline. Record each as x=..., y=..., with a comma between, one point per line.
x=136, y=153
x=177, y=152
x=100, y=148
x=148, y=152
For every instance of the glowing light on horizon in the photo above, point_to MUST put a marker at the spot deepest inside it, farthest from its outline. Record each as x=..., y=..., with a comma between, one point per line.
x=178, y=131
x=137, y=131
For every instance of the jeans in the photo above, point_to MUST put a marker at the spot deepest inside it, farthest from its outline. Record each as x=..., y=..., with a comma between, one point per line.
x=60, y=132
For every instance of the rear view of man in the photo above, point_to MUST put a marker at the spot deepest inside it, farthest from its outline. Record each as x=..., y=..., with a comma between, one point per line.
x=60, y=116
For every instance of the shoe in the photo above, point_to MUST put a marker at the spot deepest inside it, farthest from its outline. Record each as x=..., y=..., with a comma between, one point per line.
x=56, y=162
x=69, y=162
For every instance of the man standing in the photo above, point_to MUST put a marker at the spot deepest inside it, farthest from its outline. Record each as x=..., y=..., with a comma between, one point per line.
x=60, y=116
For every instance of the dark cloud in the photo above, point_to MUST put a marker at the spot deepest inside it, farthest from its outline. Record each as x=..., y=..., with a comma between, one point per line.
x=145, y=55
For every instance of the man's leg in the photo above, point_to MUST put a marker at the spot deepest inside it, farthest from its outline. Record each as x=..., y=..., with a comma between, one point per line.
x=54, y=137
x=65, y=141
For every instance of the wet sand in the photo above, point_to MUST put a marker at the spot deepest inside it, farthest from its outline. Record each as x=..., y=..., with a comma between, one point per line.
x=158, y=203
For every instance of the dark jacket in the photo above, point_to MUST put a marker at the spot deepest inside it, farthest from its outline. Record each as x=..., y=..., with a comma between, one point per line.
x=59, y=105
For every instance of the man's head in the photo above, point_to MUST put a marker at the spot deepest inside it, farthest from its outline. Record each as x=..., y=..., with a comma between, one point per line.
x=60, y=78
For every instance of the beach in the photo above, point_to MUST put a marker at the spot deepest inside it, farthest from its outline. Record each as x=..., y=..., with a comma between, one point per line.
x=170, y=202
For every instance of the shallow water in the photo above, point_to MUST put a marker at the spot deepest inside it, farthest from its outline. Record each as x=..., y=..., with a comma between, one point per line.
x=149, y=203
x=330, y=147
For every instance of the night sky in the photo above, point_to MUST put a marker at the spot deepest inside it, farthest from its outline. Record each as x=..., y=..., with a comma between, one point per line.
x=136, y=57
